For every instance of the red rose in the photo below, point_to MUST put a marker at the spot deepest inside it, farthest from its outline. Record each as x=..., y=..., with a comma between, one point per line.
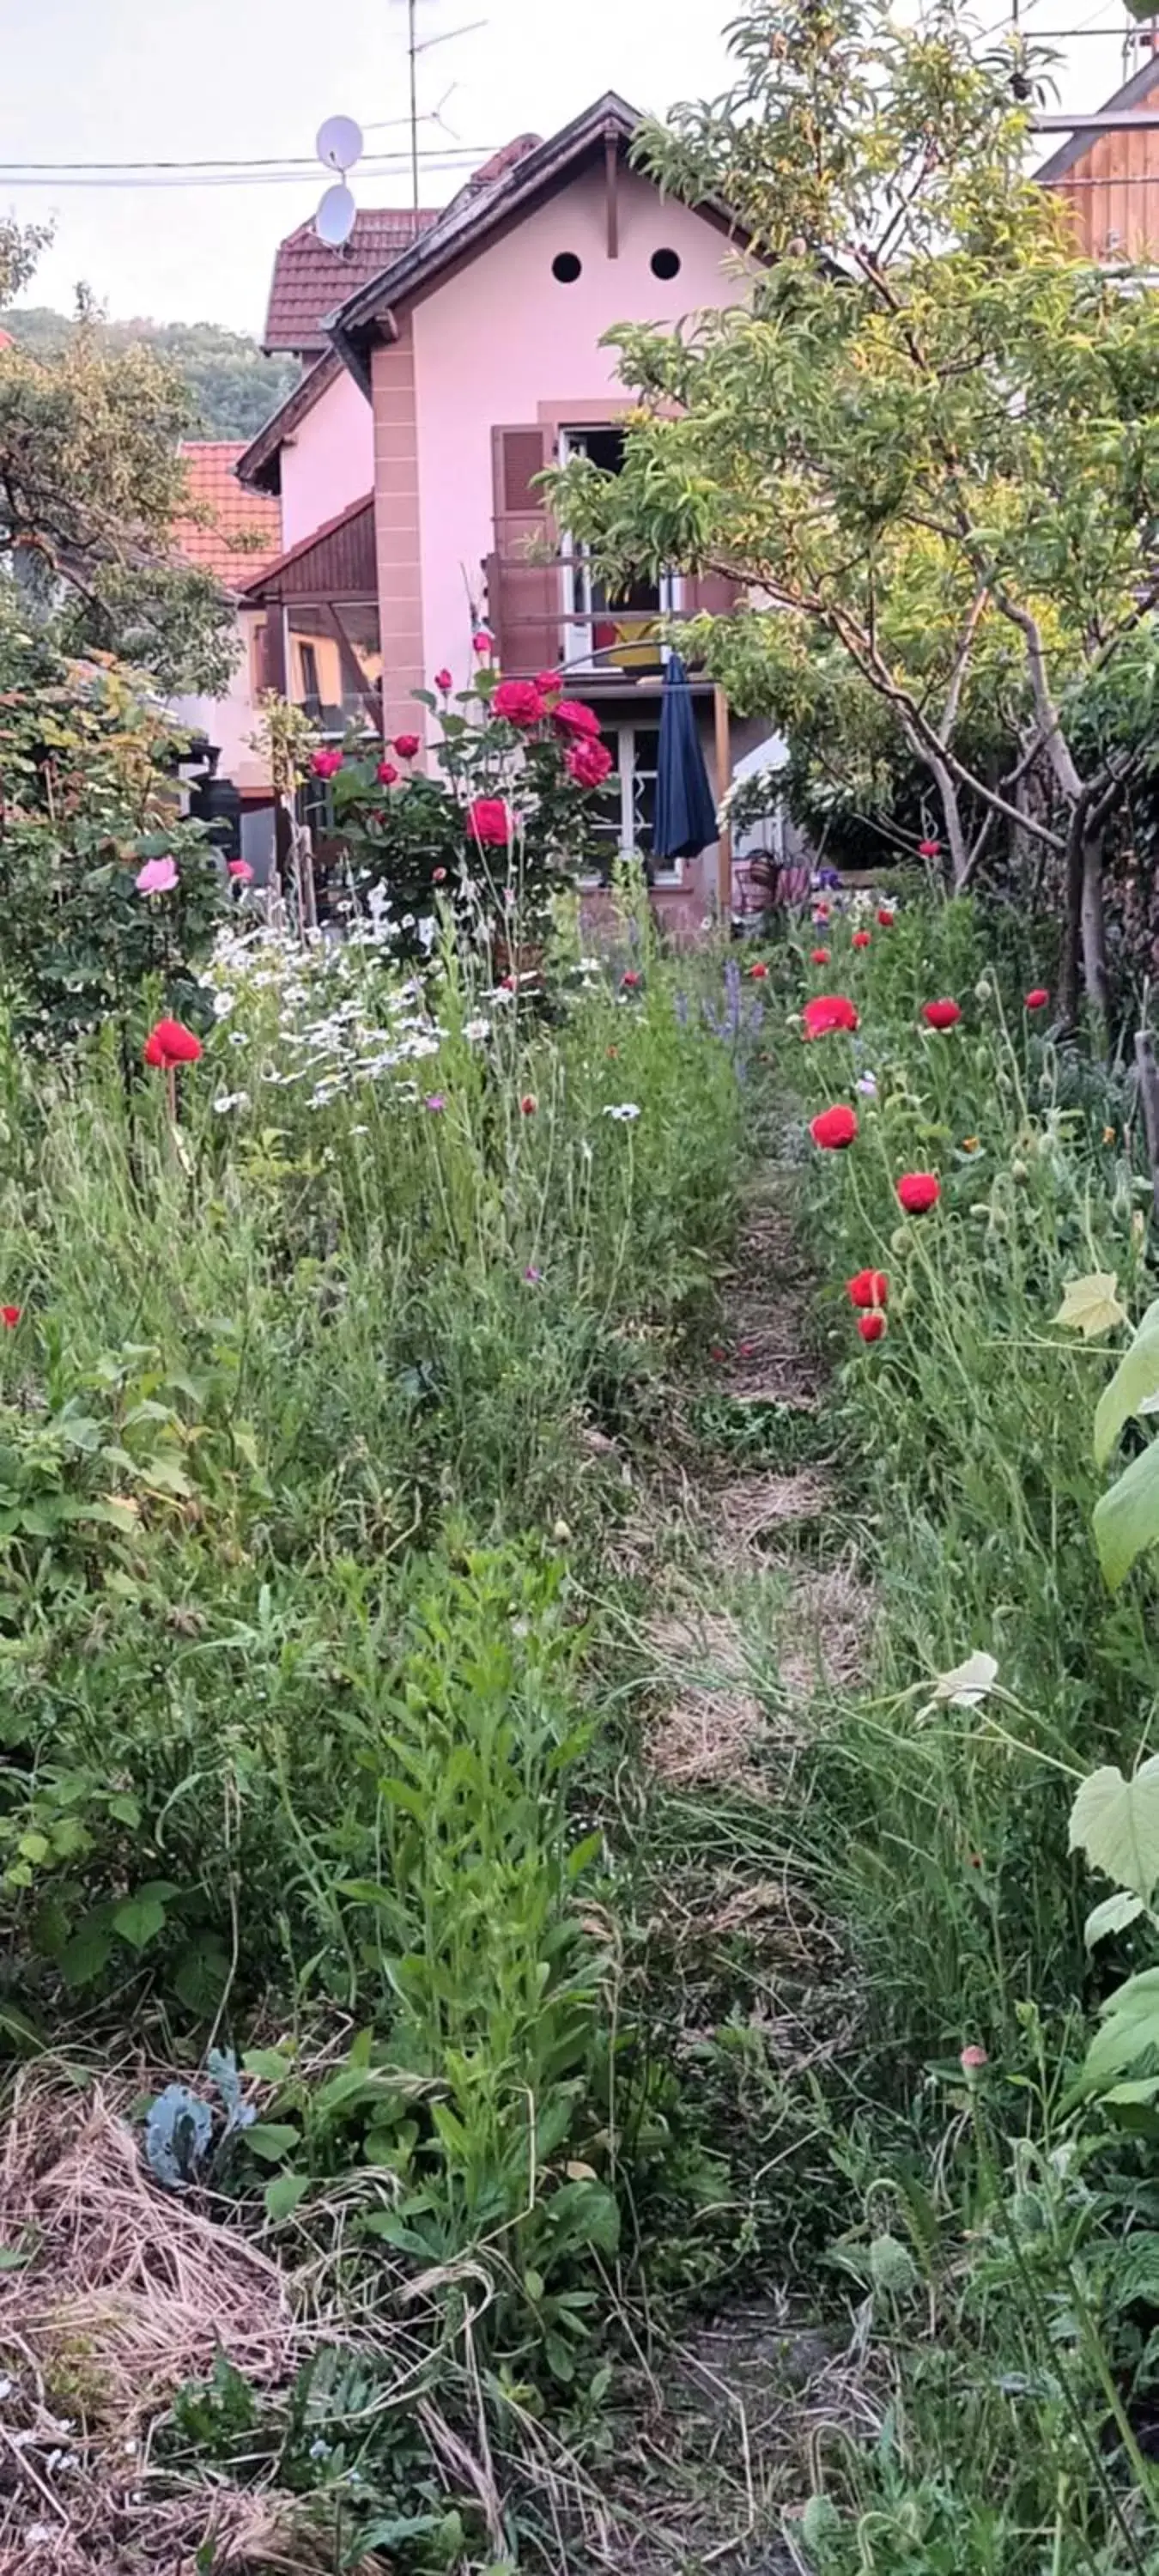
x=871, y=1327
x=490, y=821
x=819, y=956
x=386, y=773
x=406, y=745
x=758, y=970
x=325, y=764
x=518, y=702
x=885, y=917
x=10, y=1317
x=826, y=1012
x=170, y=1043
x=941, y=1015
x=548, y=683
x=861, y=939
x=868, y=1288
x=1038, y=999
x=241, y=871
x=588, y=763
x=444, y=681
x=834, y=1128
x=918, y=1191
x=571, y=717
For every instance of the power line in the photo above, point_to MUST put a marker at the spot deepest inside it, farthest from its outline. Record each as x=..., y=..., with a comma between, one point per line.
x=460, y=162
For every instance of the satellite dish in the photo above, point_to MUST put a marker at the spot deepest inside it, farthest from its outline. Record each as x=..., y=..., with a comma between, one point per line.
x=339, y=143
x=334, y=221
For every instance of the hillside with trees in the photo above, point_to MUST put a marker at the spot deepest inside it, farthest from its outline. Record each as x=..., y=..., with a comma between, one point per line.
x=233, y=388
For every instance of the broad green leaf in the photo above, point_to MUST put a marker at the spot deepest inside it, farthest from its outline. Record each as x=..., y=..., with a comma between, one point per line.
x=270, y=2063
x=1091, y=1305
x=1113, y=1915
x=139, y=1919
x=1134, y=1384
x=270, y=2139
x=1116, y=1823
x=283, y=2194
x=1126, y=1519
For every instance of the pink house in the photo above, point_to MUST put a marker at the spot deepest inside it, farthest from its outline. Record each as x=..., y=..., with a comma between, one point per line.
x=448, y=359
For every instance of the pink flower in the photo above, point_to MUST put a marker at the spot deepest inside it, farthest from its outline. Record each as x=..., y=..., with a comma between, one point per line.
x=241, y=871
x=10, y=1317
x=482, y=643
x=588, y=763
x=406, y=745
x=548, y=683
x=444, y=681
x=973, y=2059
x=929, y=849
x=860, y=939
x=326, y=764
x=158, y=876
x=532, y=1275
x=490, y=821
x=438, y=876
x=571, y=717
x=435, y=1100
x=630, y=979
x=518, y=702
x=529, y=1104
x=386, y=773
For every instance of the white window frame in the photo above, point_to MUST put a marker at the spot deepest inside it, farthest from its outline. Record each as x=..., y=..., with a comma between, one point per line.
x=625, y=728
x=575, y=574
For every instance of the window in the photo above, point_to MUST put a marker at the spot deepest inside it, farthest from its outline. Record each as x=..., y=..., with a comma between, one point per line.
x=603, y=633
x=624, y=812
x=565, y=267
x=334, y=661
x=665, y=263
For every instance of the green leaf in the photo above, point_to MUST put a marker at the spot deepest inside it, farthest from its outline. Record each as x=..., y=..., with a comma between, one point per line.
x=1113, y=1915
x=268, y=2063
x=1126, y=1520
x=1091, y=1305
x=83, y=1958
x=139, y=1919
x=1136, y=1379
x=283, y=2193
x=270, y=2139
x=1116, y=1823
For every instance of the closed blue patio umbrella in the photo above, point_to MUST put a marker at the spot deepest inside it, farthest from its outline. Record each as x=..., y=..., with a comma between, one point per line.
x=685, y=805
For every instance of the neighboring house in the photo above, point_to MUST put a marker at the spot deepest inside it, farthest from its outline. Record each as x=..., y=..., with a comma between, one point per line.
x=1110, y=180
x=237, y=537
x=438, y=386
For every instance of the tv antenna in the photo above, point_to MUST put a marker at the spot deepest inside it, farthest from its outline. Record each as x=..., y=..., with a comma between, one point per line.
x=417, y=44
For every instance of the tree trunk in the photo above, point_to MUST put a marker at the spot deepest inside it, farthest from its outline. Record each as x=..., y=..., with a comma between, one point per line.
x=1096, y=974
x=1148, y=1073
x=1068, y=970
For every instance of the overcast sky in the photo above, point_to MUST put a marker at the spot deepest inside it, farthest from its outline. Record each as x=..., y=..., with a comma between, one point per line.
x=156, y=80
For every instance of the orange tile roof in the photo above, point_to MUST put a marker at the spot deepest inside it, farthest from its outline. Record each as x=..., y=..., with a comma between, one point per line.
x=310, y=281
x=213, y=545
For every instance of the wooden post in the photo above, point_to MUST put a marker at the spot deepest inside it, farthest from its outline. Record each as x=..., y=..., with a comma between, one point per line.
x=723, y=783
x=612, y=190
x=1148, y=1072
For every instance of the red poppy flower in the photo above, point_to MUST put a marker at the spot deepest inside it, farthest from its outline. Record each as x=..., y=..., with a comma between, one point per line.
x=571, y=717
x=885, y=917
x=826, y=1012
x=630, y=979
x=386, y=773
x=10, y=1317
x=872, y=1326
x=819, y=956
x=406, y=745
x=490, y=821
x=861, y=939
x=588, y=763
x=529, y=1104
x=834, y=1127
x=868, y=1288
x=326, y=764
x=918, y=1191
x=758, y=970
x=444, y=681
x=170, y=1043
x=929, y=849
x=941, y=1015
x=1038, y=999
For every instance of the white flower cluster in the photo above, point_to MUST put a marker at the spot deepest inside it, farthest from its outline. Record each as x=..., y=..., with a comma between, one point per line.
x=328, y=1014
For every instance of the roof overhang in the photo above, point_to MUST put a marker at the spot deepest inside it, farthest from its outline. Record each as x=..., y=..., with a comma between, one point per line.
x=1131, y=95
x=261, y=466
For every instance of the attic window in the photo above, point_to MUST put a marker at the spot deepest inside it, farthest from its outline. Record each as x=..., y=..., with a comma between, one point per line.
x=665, y=263
x=566, y=267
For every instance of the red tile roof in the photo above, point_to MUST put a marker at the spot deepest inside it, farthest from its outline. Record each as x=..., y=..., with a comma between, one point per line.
x=212, y=546
x=311, y=281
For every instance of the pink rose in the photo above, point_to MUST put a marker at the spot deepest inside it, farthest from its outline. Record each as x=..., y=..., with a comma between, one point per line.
x=444, y=681
x=241, y=871
x=326, y=764
x=482, y=643
x=406, y=745
x=571, y=717
x=386, y=773
x=588, y=762
x=518, y=702
x=490, y=821
x=158, y=876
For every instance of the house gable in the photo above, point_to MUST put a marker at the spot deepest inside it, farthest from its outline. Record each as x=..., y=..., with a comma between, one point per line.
x=1110, y=181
